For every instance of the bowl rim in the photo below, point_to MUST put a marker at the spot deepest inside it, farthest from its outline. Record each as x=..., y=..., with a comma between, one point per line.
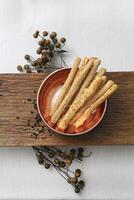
x=51, y=128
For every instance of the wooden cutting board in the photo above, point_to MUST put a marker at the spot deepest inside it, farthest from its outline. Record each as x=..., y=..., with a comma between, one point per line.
x=116, y=128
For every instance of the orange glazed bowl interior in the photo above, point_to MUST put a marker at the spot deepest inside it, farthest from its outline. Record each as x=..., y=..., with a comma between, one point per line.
x=47, y=95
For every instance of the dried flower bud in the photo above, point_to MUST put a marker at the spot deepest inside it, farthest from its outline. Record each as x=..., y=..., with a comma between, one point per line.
x=63, y=40
x=81, y=184
x=19, y=68
x=51, y=47
x=38, y=51
x=26, y=67
x=34, y=63
x=47, y=166
x=47, y=42
x=27, y=57
x=77, y=172
x=39, y=60
x=45, y=33
x=53, y=35
x=44, y=52
x=54, y=40
x=58, y=45
x=77, y=189
x=36, y=34
x=44, y=59
x=50, y=54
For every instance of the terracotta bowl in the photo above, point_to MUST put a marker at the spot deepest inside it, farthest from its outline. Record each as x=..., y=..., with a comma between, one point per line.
x=47, y=95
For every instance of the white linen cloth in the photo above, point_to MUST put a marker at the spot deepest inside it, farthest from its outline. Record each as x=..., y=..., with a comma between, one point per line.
x=92, y=27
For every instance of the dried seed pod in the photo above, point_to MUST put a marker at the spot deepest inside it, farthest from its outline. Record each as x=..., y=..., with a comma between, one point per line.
x=51, y=47
x=68, y=162
x=19, y=68
x=51, y=155
x=73, y=180
x=26, y=67
x=55, y=40
x=81, y=184
x=53, y=35
x=39, y=60
x=36, y=34
x=77, y=189
x=45, y=33
x=40, y=43
x=77, y=172
x=63, y=40
x=34, y=63
x=38, y=51
x=47, y=42
x=40, y=159
x=57, y=45
x=50, y=54
x=27, y=57
x=44, y=52
x=56, y=161
x=44, y=59
x=62, y=164
x=47, y=165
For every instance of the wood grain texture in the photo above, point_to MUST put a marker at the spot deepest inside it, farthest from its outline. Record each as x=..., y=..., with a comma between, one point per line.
x=116, y=128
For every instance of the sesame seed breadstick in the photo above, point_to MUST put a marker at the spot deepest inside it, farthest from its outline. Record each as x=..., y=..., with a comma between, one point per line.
x=91, y=100
x=99, y=101
x=72, y=92
x=67, y=84
x=64, y=122
x=89, y=77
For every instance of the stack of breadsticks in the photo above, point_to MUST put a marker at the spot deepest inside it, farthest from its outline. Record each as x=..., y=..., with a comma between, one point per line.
x=84, y=90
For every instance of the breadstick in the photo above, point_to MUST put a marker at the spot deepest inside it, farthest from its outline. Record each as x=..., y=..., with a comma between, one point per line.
x=64, y=122
x=89, y=77
x=67, y=84
x=91, y=100
x=72, y=92
x=81, y=67
x=83, y=63
x=86, y=114
x=101, y=72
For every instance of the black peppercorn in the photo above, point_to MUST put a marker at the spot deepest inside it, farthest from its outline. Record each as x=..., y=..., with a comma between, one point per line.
x=72, y=151
x=81, y=150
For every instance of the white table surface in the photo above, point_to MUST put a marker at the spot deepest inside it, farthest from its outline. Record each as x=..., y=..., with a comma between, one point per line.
x=92, y=27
